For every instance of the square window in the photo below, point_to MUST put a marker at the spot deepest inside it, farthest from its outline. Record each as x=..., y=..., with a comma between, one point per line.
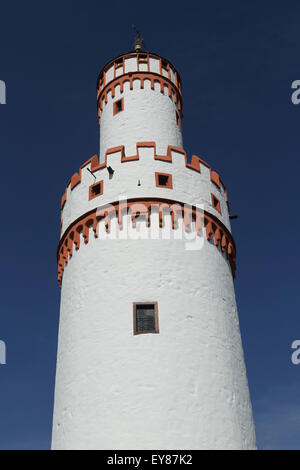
x=145, y=318
x=163, y=180
x=216, y=203
x=95, y=190
x=142, y=58
x=118, y=106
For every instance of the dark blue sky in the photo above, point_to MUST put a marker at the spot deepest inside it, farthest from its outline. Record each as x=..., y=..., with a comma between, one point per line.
x=237, y=61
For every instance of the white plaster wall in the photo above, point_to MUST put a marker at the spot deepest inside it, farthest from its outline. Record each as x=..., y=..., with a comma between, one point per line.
x=130, y=65
x=109, y=74
x=148, y=115
x=184, y=388
x=154, y=65
x=188, y=186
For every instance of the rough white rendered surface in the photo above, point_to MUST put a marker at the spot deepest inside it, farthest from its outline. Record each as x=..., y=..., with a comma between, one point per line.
x=188, y=186
x=184, y=388
x=148, y=115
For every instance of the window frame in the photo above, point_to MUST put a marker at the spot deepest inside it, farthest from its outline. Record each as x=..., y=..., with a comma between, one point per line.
x=164, y=65
x=143, y=58
x=169, y=184
x=91, y=193
x=119, y=62
x=115, y=106
x=215, y=202
x=156, y=325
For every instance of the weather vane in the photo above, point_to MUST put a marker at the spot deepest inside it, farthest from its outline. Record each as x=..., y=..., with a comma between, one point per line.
x=139, y=41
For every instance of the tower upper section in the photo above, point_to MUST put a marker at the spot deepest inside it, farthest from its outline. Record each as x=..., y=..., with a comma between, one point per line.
x=139, y=99
x=142, y=161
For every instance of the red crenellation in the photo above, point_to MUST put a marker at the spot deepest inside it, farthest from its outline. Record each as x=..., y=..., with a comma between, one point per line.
x=95, y=165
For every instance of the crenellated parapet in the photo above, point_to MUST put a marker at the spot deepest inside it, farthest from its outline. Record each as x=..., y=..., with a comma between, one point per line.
x=137, y=62
x=192, y=182
x=142, y=67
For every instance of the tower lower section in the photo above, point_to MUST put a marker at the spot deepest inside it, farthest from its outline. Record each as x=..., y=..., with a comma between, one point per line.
x=182, y=388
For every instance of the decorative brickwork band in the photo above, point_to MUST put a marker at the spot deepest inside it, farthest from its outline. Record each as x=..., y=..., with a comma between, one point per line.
x=214, y=229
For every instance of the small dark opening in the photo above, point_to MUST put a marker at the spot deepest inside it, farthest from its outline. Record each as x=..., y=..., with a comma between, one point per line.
x=142, y=58
x=96, y=189
x=163, y=180
x=164, y=64
x=119, y=106
x=119, y=62
x=110, y=170
x=215, y=201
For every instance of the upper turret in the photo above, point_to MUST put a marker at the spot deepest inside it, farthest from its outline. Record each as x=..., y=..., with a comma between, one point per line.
x=142, y=159
x=139, y=99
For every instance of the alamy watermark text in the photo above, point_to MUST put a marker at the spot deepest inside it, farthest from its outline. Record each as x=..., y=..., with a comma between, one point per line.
x=2, y=352
x=2, y=92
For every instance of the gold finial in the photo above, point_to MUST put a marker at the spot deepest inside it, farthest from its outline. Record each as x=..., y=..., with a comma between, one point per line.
x=139, y=41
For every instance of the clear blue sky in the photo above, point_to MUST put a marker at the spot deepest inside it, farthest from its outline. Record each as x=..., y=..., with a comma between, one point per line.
x=237, y=61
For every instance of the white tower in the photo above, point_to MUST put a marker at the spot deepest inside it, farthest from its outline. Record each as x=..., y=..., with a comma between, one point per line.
x=149, y=350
